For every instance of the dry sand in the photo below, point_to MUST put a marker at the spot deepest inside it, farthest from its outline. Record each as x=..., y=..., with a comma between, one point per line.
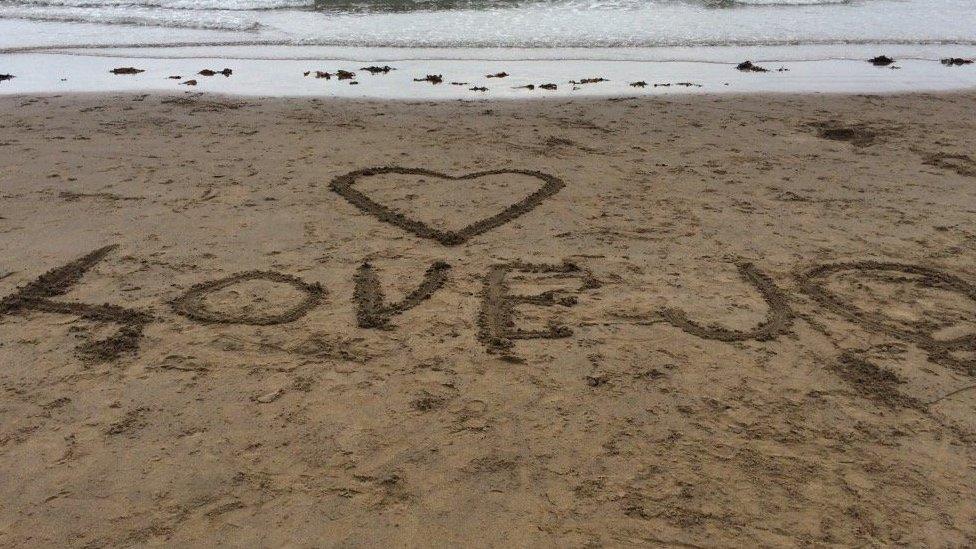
x=752, y=325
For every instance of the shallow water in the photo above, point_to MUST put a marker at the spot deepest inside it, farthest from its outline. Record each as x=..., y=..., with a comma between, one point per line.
x=549, y=39
x=499, y=23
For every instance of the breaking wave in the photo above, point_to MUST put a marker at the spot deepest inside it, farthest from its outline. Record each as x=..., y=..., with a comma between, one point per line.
x=495, y=23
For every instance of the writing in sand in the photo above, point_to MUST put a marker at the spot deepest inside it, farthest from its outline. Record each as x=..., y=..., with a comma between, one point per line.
x=498, y=323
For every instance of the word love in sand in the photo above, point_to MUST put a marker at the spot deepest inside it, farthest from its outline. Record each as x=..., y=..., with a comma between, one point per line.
x=498, y=323
x=497, y=326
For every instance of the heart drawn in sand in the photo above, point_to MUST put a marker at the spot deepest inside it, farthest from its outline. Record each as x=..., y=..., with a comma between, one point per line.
x=343, y=185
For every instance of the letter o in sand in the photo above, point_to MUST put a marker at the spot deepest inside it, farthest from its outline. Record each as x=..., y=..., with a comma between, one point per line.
x=920, y=331
x=192, y=303
x=814, y=283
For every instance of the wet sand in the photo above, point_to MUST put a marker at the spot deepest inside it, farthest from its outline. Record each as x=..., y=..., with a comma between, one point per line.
x=703, y=321
x=470, y=74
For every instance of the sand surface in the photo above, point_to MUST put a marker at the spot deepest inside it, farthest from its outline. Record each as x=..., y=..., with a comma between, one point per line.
x=699, y=322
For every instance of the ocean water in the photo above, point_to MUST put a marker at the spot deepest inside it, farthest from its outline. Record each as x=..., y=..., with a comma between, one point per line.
x=809, y=45
x=488, y=23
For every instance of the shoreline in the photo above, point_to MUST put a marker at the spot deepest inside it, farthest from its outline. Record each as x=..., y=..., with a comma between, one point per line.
x=188, y=96
x=464, y=78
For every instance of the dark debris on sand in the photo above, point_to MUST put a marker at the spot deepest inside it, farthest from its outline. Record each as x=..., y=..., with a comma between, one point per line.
x=6, y=77
x=682, y=84
x=126, y=70
x=497, y=75
x=588, y=81
x=373, y=69
x=749, y=66
x=638, y=84
x=530, y=87
x=881, y=61
x=345, y=75
x=209, y=72
x=956, y=61
x=432, y=78
x=478, y=89
x=189, y=83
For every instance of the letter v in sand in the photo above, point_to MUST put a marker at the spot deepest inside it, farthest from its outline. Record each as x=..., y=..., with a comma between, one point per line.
x=373, y=312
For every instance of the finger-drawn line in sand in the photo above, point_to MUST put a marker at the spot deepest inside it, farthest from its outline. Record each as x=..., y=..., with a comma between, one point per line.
x=343, y=185
x=951, y=394
x=371, y=309
x=960, y=163
x=36, y=296
x=71, y=196
x=496, y=322
x=873, y=382
x=192, y=303
x=813, y=283
x=778, y=321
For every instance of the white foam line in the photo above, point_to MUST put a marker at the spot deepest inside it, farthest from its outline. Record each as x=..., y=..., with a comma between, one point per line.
x=339, y=44
x=718, y=54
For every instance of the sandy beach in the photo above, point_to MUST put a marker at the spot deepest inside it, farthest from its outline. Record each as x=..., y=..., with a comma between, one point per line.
x=689, y=321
